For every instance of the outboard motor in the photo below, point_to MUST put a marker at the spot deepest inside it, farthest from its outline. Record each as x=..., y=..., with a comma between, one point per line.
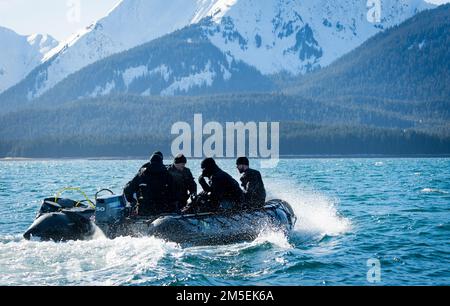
x=109, y=211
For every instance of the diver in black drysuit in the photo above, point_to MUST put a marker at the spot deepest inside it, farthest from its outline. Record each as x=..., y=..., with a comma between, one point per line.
x=184, y=184
x=252, y=183
x=159, y=153
x=223, y=191
x=154, y=187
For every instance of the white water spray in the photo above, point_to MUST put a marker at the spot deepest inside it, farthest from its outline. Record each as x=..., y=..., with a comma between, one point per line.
x=316, y=213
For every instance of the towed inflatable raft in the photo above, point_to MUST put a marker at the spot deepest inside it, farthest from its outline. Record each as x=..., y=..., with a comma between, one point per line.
x=64, y=220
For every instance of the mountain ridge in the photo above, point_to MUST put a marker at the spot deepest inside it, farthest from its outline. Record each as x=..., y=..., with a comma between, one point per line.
x=272, y=36
x=409, y=61
x=20, y=54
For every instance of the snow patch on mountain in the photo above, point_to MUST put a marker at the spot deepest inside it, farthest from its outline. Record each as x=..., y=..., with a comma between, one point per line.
x=20, y=54
x=184, y=84
x=43, y=43
x=132, y=74
x=422, y=44
x=226, y=74
x=103, y=90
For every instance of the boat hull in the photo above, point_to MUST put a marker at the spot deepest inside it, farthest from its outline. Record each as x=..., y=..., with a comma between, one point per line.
x=209, y=228
x=194, y=229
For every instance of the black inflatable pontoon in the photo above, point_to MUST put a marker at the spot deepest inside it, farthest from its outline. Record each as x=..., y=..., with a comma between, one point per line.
x=63, y=220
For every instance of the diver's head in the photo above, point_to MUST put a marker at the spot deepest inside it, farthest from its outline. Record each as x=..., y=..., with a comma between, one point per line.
x=159, y=153
x=180, y=162
x=156, y=158
x=242, y=164
x=209, y=166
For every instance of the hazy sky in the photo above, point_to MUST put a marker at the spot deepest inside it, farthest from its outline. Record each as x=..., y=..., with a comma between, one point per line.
x=60, y=18
x=56, y=17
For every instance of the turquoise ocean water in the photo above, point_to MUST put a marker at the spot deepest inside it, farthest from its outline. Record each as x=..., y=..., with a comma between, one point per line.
x=351, y=212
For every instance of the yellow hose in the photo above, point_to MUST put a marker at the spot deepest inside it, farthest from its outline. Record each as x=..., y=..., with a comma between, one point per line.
x=57, y=196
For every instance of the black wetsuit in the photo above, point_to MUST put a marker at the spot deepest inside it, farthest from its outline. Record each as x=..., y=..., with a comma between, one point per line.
x=224, y=190
x=183, y=185
x=154, y=187
x=254, y=190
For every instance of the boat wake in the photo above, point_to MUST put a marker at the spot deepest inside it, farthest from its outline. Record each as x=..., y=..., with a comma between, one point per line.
x=317, y=215
x=127, y=260
x=99, y=261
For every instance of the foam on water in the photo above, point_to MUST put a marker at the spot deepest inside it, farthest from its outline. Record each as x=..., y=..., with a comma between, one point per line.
x=98, y=234
x=316, y=214
x=433, y=190
x=275, y=238
x=95, y=262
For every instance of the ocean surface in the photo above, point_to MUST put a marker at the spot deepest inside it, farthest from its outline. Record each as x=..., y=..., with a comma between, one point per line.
x=360, y=222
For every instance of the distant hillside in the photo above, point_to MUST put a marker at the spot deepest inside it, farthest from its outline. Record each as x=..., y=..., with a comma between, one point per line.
x=133, y=125
x=296, y=138
x=124, y=114
x=407, y=62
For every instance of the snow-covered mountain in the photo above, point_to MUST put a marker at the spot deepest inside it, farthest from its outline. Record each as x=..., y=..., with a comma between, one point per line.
x=181, y=63
x=299, y=35
x=129, y=24
x=273, y=36
x=20, y=54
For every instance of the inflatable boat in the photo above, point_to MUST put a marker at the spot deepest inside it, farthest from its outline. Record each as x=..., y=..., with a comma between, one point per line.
x=64, y=219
